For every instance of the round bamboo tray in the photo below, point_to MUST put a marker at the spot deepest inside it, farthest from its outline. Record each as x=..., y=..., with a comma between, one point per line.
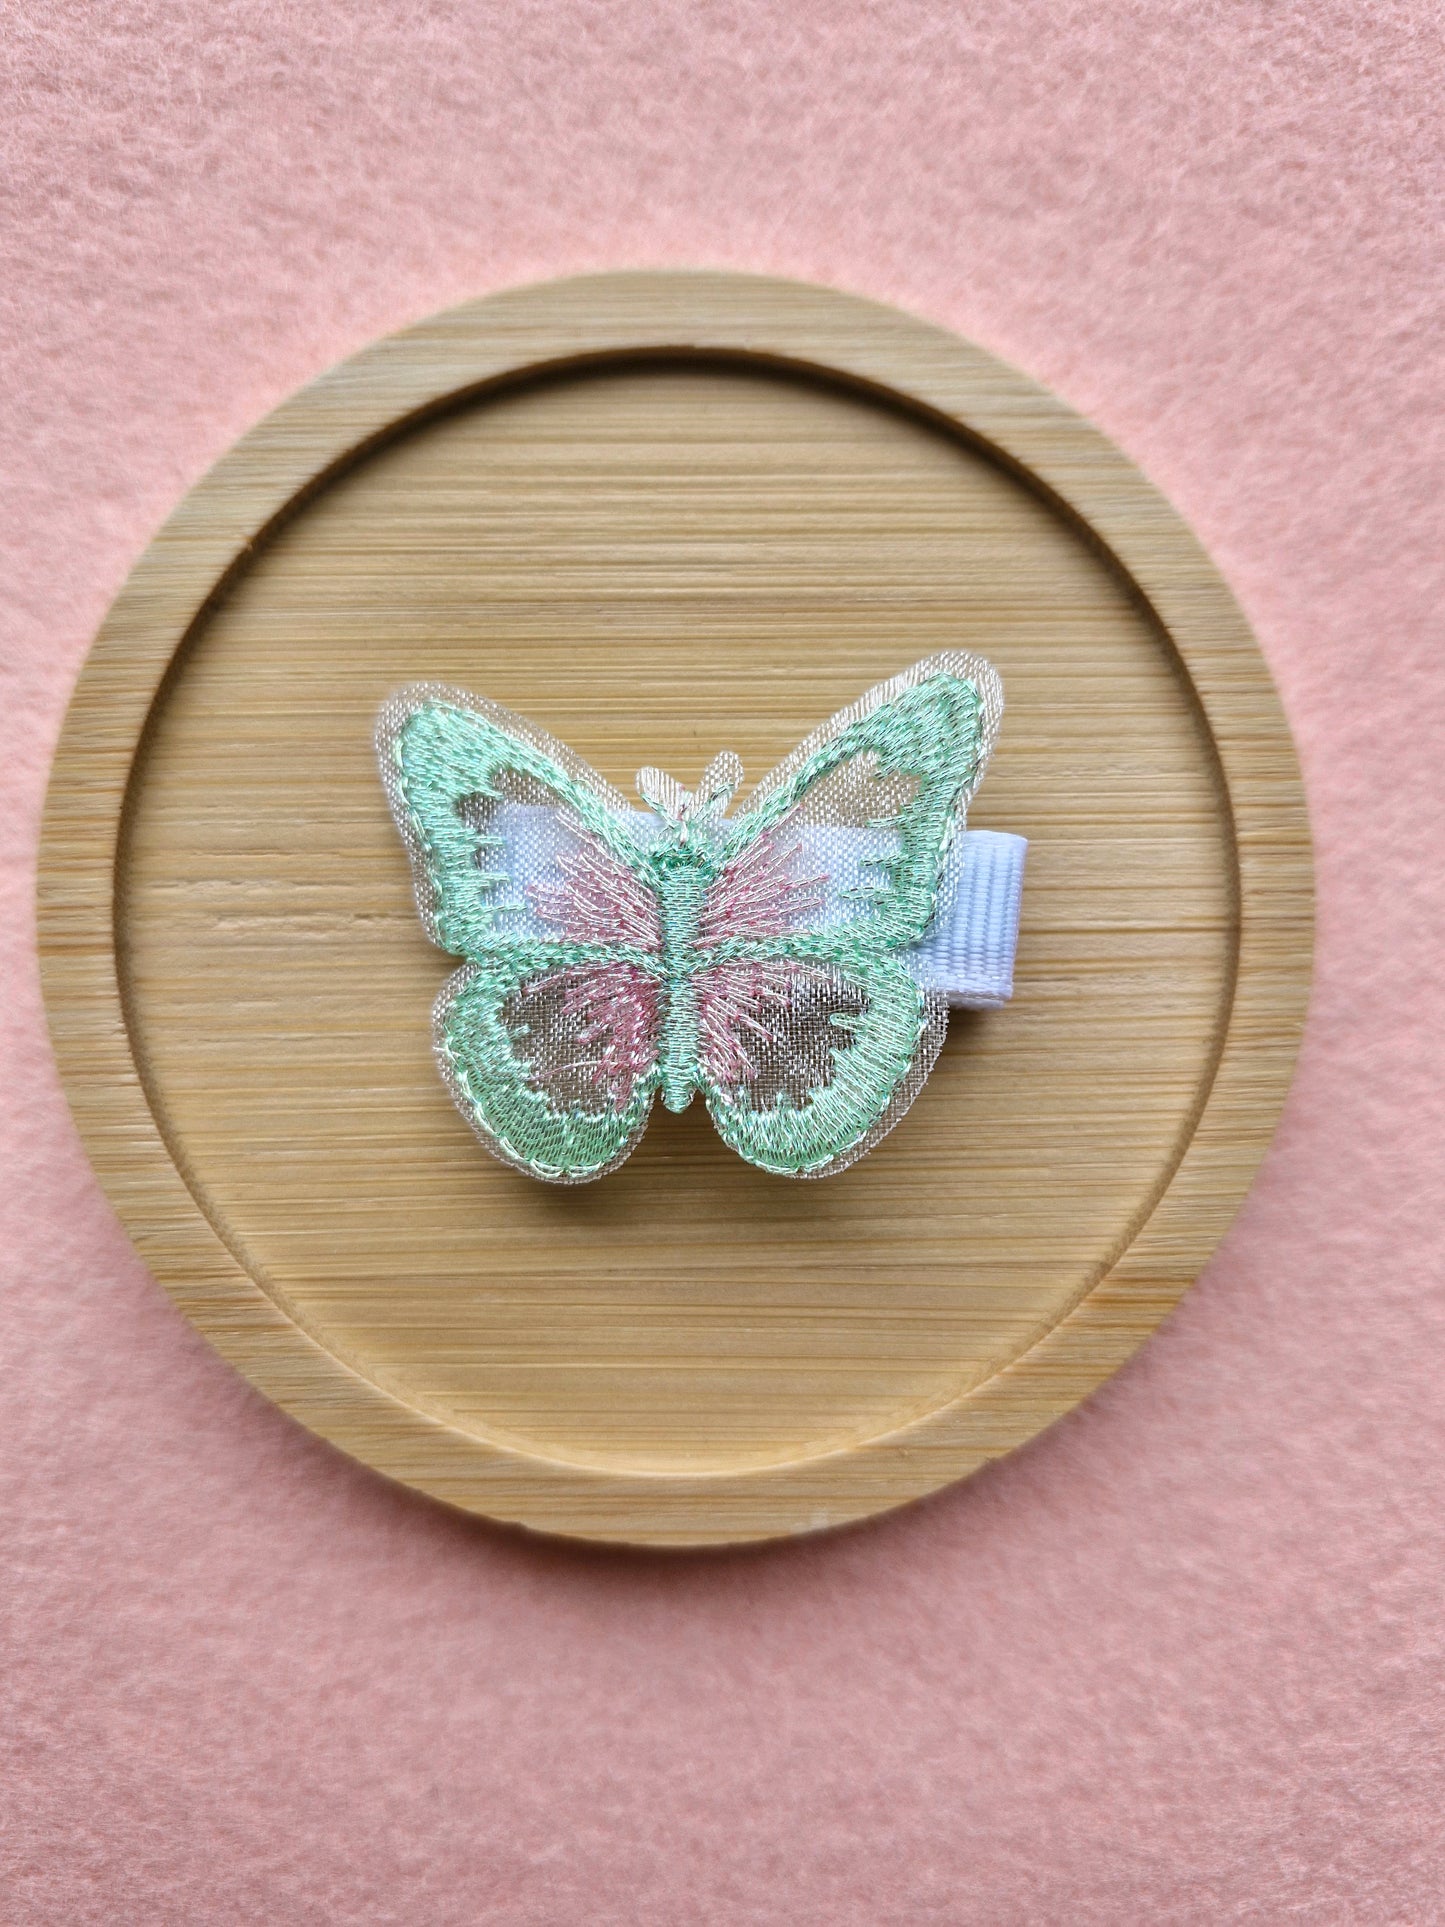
x=664, y=514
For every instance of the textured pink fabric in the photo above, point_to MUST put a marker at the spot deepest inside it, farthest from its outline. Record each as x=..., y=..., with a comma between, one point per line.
x=1182, y=1660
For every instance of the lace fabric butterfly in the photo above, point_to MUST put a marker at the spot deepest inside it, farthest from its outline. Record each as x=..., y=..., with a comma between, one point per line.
x=768, y=962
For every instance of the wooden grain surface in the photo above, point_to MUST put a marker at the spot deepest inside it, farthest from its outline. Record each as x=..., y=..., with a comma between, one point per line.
x=677, y=538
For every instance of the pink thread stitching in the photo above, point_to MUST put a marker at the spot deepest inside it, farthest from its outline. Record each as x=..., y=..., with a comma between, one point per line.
x=599, y=900
x=615, y=1007
x=730, y=1000
x=617, y=1012
x=757, y=895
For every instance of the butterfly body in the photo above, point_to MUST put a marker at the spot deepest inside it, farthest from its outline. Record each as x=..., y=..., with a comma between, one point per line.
x=613, y=957
x=683, y=871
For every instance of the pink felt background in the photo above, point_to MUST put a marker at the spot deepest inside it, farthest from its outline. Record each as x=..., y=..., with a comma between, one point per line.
x=1182, y=1660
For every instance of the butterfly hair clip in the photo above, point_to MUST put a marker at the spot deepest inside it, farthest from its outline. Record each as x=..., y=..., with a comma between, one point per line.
x=792, y=964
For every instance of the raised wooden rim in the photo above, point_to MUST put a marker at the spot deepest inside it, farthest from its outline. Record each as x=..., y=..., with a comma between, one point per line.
x=427, y=367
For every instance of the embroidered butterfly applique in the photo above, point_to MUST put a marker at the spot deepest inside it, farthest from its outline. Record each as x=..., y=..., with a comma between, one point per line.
x=793, y=965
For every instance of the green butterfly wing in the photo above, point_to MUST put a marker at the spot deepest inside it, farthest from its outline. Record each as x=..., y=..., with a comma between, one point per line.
x=548, y=1037
x=823, y=1110
x=901, y=762
x=838, y=1055
x=450, y=762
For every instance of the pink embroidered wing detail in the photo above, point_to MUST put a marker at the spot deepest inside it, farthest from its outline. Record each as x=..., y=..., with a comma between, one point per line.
x=753, y=1016
x=759, y=895
x=591, y=1031
x=588, y=1033
x=765, y=1020
x=597, y=899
